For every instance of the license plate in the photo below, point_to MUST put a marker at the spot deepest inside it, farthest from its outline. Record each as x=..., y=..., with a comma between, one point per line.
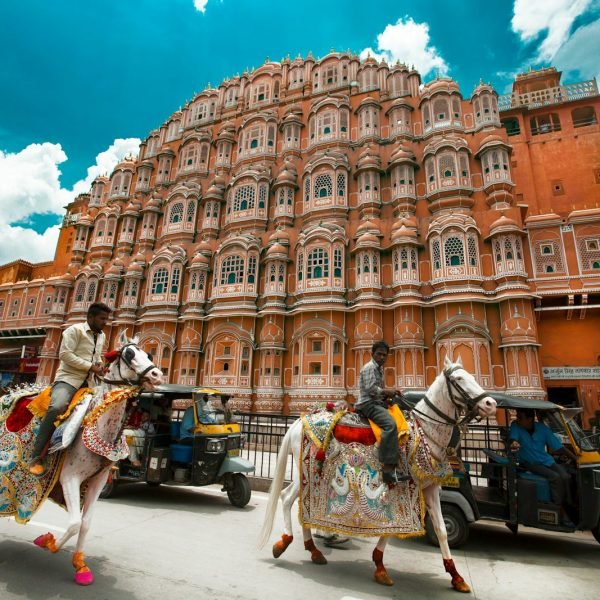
x=233, y=452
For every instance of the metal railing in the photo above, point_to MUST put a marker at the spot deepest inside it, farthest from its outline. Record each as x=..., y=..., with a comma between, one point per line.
x=264, y=434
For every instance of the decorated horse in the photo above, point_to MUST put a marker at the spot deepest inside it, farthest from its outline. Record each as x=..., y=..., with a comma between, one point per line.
x=75, y=474
x=340, y=484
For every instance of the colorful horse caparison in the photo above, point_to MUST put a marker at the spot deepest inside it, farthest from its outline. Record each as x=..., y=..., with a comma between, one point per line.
x=453, y=398
x=82, y=468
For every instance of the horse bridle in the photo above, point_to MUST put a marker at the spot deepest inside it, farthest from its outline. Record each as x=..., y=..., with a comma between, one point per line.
x=453, y=386
x=122, y=356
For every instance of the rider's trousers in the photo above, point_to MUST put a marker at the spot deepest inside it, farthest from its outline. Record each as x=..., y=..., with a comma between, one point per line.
x=388, y=447
x=59, y=401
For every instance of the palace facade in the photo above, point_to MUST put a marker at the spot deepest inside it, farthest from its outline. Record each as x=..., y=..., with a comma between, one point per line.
x=275, y=227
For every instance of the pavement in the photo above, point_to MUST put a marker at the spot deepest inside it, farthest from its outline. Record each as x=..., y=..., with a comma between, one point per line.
x=181, y=542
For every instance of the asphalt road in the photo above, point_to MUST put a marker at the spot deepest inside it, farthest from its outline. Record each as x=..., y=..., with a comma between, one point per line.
x=186, y=543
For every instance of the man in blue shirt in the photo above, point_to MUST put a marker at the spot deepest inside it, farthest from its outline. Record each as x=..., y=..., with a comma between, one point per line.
x=530, y=438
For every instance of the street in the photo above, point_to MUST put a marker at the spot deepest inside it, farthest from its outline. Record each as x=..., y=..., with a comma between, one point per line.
x=178, y=542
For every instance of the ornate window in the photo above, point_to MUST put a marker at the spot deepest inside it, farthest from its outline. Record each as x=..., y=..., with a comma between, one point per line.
x=261, y=93
x=109, y=293
x=368, y=186
x=285, y=202
x=398, y=85
x=120, y=184
x=403, y=181
x=456, y=256
x=329, y=124
x=258, y=138
x=317, y=264
x=548, y=257
x=508, y=255
x=368, y=121
x=368, y=79
x=367, y=269
x=314, y=267
x=495, y=165
x=589, y=251
x=164, y=169
x=211, y=215
x=400, y=121
x=159, y=281
x=405, y=264
x=323, y=187
x=236, y=273
x=176, y=213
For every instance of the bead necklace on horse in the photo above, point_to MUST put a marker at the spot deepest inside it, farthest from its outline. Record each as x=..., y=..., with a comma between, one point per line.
x=341, y=489
x=82, y=468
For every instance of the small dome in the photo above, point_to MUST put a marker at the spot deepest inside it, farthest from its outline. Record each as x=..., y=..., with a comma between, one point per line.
x=200, y=259
x=504, y=225
x=127, y=164
x=404, y=235
x=402, y=155
x=204, y=247
x=285, y=177
x=214, y=192
x=86, y=221
x=368, y=226
x=279, y=235
x=277, y=250
x=368, y=159
x=368, y=240
x=443, y=84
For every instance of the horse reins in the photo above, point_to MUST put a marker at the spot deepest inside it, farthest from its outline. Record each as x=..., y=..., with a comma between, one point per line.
x=452, y=385
x=123, y=357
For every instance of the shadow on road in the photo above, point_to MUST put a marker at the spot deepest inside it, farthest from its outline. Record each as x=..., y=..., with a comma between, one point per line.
x=175, y=497
x=37, y=575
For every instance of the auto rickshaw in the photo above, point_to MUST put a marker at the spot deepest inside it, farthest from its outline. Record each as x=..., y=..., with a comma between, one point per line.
x=198, y=445
x=488, y=482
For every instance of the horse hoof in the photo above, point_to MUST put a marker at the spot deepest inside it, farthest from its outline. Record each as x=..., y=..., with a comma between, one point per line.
x=461, y=586
x=84, y=577
x=318, y=559
x=384, y=579
x=278, y=549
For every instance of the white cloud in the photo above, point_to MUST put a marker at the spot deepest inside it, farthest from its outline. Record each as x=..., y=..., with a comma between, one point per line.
x=105, y=161
x=408, y=42
x=580, y=54
x=30, y=184
x=553, y=17
x=200, y=5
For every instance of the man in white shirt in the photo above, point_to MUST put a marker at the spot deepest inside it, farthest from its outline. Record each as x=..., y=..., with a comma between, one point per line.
x=80, y=355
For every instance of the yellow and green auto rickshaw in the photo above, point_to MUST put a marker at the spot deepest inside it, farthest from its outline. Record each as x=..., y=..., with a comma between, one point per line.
x=194, y=441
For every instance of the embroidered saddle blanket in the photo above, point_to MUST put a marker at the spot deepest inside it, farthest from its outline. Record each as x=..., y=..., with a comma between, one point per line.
x=341, y=489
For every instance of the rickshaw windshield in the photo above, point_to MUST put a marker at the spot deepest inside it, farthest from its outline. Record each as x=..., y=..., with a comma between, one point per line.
x=556, y=424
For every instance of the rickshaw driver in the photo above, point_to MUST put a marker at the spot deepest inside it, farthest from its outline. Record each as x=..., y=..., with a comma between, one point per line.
x=80, y=356
x=529, y=439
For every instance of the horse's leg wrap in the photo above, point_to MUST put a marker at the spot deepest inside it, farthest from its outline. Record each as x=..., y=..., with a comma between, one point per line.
x=381, y=574
x=46, y=541
x=458, y=583
x=83, y=575
x=281, y=546
x=315, y=554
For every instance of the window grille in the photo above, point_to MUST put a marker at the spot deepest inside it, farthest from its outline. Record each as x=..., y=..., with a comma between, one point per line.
x=337, y=262
x=191, y=210
x=80, y=291
x=91, y=291
x=262, y=196
x=252, y=269
x=341, y=184
x=176, y=214
x=176, y=275
x=472, y=249
x=436, y=253
x=244, y=198
x=160, y=280
x=317, y=264
x=323, y=186
x=454, y=253
x=232, y=270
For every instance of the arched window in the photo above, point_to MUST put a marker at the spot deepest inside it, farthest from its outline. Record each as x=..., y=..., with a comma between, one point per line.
x=454, y=252
x=232, y=270
x=160, y=281
x=317, y=265
x=244, y=197
x=337, y=262
x=583, y=116
x=80, y=291
x=176, y=214
x=323, y=186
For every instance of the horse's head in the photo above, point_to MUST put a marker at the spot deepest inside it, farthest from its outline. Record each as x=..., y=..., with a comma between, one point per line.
x=133, y=366
x=465, y=392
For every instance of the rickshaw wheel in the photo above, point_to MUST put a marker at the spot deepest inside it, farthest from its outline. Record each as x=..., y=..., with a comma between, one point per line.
x=109, y=488
x=239, y=492
x=456, y=527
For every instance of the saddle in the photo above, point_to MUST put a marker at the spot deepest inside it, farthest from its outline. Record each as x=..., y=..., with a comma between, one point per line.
x=349, y=427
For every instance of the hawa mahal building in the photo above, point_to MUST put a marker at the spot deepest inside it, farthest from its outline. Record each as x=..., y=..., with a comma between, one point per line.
x=276, y=226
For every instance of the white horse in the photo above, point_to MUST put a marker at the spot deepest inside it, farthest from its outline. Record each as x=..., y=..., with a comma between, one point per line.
x=102, y=431
x=454, y=397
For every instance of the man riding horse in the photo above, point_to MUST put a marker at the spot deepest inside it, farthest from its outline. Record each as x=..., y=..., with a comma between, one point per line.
x=80, y=356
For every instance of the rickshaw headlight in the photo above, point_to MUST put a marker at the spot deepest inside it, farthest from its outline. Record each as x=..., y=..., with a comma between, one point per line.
x=215, y=446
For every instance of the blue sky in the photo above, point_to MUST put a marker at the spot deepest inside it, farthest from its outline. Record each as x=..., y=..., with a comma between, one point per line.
x=82, y=82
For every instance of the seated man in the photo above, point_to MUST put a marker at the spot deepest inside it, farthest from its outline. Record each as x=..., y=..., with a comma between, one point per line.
x=187, y=426
x=372, y=404
x=529, y=439
x=206, y=413
x=138, y=426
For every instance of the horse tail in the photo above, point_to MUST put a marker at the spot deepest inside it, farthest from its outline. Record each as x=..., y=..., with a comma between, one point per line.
x=276, y=485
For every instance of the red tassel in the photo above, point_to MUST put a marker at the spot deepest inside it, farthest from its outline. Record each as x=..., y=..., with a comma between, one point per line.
x=111, y=356
x=320, y=455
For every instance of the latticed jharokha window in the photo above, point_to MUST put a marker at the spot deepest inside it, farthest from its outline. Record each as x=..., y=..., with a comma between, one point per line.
x=454, y=252
x=244, y=197
x=160, y=281
x=317, y=264
x=176, y=214
x=323, y=186
x=232, y=270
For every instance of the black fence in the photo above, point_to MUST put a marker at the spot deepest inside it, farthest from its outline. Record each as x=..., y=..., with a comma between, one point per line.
x=264, y=434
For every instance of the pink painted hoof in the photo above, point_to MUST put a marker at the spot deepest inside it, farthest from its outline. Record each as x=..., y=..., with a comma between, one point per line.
x=84, y=577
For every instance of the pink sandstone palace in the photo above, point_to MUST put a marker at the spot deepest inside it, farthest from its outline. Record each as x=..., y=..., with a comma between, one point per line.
x=275, y=227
